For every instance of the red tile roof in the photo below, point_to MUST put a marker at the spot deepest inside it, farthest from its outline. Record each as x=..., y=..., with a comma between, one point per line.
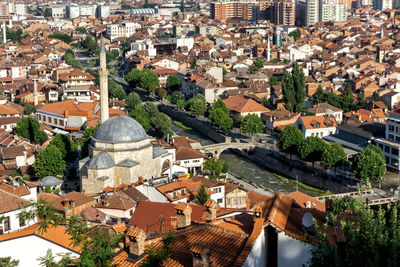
x=241, y=104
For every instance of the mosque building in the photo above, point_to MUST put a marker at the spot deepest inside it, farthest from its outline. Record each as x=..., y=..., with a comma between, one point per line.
x=120, y=151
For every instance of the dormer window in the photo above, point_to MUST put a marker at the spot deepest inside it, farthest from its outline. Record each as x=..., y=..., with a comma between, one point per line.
x=315, y=124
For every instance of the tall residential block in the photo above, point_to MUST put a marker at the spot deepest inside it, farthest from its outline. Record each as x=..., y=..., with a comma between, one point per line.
x=239, y=9
x=284, y=13
x=312, y=12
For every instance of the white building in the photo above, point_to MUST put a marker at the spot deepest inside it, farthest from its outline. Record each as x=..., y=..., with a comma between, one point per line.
x=312, y=12
x=72, y=11
x=390, y=145
x=103, y=11
x=319, y=126
x=124, y=29
x=144, y=45
x=19, y=9
x=382, y=4
x=333, y=12
x=87, y=10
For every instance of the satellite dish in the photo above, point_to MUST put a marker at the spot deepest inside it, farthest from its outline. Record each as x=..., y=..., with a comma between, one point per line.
x=307, y=219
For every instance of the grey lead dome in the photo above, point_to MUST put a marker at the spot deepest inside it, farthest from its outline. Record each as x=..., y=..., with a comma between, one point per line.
x=103, y=160
x=120, y=129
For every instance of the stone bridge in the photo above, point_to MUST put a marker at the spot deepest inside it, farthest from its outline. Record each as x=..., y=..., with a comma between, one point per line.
x=217, y=149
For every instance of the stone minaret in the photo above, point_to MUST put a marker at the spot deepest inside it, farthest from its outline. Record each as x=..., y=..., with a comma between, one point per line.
x=4, y=33
x=268, y=50
x=35, y=95
x=103, y=77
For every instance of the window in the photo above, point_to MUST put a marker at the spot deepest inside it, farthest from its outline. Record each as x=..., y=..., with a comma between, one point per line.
x=237, y=201
x=391, y=137
x=391, y=128
x=21, y=222
x=131, y=212
x=395, y=162
x=395, y=151
x=7, y=225
x=228, y=201
x=219, y=200
x=387, y=149
x=186, y=162
x=48, y=119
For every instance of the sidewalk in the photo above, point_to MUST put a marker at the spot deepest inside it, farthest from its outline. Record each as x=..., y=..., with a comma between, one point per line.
x=249, y=187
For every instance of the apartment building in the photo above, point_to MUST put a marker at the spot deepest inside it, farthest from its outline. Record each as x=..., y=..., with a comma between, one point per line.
x=312, y=12
x=239, y=9
x=124, y=29
x=284, y=13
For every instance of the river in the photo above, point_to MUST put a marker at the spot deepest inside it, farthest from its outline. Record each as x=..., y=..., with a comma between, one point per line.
x=242, y=166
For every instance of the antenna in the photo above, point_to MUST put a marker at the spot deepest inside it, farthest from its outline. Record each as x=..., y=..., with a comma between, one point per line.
x=307, y=219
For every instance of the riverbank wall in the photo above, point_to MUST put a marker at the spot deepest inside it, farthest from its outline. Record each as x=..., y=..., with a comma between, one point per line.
x=266, y=157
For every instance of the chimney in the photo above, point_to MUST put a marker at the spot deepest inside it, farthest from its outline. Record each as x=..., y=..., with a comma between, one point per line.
x=66, y=203
x=211, y=208
x=257, y=213
x=72, y=203
x=201, y=255
x=184, y=212
x=114, y=190
x=136, y=239
x=308, y=205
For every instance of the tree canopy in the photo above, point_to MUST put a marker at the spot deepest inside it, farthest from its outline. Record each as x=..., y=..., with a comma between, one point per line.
x=148, y=79
x=215, y=167
x=133, y=77
x=65, y=145
x=141, y=116
x=202, y=196
x=162, y=125
x=29, y=128
x=290, y=140
x=311, y=148
x=116, y=90
x=333, y=155
x=176, y=97
x=173, y=82
x=49, y=162
x=85, y=140
x=133, y=101
x=370, y=164
x=252, y=124
x=293, y=88
x=197, y=105
x=91, y=45
x=219, y=115
x=61, y=36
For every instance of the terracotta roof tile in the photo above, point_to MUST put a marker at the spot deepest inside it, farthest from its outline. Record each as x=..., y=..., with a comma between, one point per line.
x=241, y=104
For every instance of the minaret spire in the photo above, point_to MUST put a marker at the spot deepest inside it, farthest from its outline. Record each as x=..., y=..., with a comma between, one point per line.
x=103, y=77
x=268, y=50
x=35, y=96
x=4, y=33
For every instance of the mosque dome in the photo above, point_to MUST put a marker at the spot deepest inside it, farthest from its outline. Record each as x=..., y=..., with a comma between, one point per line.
x=120, y=129
x=103, y=160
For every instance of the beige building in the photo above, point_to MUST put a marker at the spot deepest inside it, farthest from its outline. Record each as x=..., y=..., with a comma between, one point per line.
x=120, y=152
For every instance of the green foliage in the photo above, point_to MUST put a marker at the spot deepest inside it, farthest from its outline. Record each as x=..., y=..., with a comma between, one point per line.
x=8, y=262
x=91, y=45
x=193, y=64
x=197, y=105
x=370, y=165
x=133, y=77
x=85, y=140
x=65, y=145
x=111, y=56
x=116, y=90
x=141, y=116
x=49, y=162
x=162, y=125
x=161, y=93
x=333, y=155
x=258, y=64
x=376, y=96
x=267, y=103
x=202, y=196
x=340, y=205
x=215, y=167
x=80, y=30
x=15, y=36
x=151, y=109
x=293, y=88
x=69, y=58
x=133, y=101
x=148, y=78
x=290, y=140
x=311, y=148
x=182, y=6
x=273, y=80
x=173, y=83
x=176, y=96
x=295, y=34
x=370, y=238
x=155, y=256
x=28, y=108
x=97, y=246
x=219, y=115
x=252, y=124
x=61, y=36
x=28, y=128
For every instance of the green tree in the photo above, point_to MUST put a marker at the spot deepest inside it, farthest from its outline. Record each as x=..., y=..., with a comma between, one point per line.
x=148, y=78
x=290, y=140
x=61, y=36
x=333, y=155
x=368, y=238
x=80, y=30
x=161, y=93
x=252, y=124
x=49, y=260
x=202, y=196
x=49, y=162
x=181, y=103
x=348, y=89
x=273, y=80
x=151, y=109
x=141, y=116
x=65, y=145
x=8, y=262
x=162, y=125
x=299, y=87
x=219, y=103
x=197, y=105
x=376, y=96
x=182, y=6
x=258, y=64
x=173, y=82
x=155, y=256
x=218, y=117
x=295, y=34
x=91, y=45
x=133, y=101
x=85, y=140
x=340, y=205
x=133, y=77
x=176, y=96
x=215, y=167
x=193, y=64
x=29, y=128
x=370, y=165
x=311, y=149
x=116, y=90
x=318, y=96
x=289, y=95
